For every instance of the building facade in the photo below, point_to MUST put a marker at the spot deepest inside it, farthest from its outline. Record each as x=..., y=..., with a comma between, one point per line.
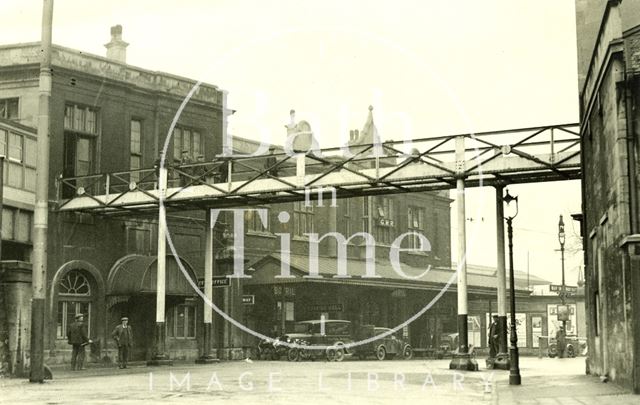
x=106, y=116
x=608, y=66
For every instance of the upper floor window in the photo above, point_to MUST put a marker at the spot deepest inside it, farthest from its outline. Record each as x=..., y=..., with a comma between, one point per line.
x=20, y=165
x=385, y=222
x=252, y=220
x=347, y=217
x=302, y=218
x=187, y=145
x=135, y=159
x=366, y=202
x=9, y=108
x=415, y=216
x=81, y=119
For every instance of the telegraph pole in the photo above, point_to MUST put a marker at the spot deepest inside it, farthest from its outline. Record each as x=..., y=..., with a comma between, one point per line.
x=40, y=215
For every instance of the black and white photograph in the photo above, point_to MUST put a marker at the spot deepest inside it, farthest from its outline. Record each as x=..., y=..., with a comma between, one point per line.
x=320, y=202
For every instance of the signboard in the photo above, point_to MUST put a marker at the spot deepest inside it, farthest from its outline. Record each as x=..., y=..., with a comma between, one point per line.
x=558, y=288
x=553, y=323
x=216, y=281
x=220, y=281
x=562, y=312
x=326, y=308
x=248, y=299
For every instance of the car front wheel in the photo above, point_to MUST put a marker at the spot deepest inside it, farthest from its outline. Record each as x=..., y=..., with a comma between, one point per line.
x=407, y=353
x=381, y=353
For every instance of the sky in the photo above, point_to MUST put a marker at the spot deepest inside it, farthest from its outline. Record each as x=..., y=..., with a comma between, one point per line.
x=428, y=68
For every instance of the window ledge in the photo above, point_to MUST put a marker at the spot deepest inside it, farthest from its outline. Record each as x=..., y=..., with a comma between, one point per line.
x=261, y=234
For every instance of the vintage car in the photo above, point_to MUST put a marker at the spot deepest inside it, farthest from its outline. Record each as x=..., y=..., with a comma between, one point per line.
x=575, y=346
x=386, y=347
x=319, y=338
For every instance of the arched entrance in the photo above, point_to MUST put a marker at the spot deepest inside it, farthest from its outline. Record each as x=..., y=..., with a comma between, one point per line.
x=77, y=287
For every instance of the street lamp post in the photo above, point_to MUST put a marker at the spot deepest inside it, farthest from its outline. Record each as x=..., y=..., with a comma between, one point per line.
x=514, y=370
x=563, y=293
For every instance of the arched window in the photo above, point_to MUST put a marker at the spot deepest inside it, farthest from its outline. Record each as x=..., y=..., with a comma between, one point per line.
x=74, y=297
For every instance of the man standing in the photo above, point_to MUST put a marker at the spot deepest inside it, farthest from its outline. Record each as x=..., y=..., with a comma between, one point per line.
x=123, y=336
x=494, y=337
x=561, y=342
x=77, y=338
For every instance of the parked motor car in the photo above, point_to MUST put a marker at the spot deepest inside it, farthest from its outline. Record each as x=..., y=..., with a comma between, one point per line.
x=308, y=337
x=575, y=346
x=386, y=347
x=449, y=346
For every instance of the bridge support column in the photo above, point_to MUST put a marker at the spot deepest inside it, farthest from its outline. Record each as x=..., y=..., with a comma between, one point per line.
x=502, y=359
x=207, y=311
x=462, y=360
x=160, y=357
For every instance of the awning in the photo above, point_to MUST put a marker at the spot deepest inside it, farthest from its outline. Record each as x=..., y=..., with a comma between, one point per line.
x=137, y=274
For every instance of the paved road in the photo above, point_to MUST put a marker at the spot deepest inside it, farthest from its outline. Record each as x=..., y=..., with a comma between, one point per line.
x=545, y=381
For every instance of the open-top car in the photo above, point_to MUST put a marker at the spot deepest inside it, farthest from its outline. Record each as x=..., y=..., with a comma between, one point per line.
x=387, y=347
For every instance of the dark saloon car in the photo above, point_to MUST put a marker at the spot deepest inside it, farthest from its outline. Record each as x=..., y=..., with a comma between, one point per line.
x=386, y=347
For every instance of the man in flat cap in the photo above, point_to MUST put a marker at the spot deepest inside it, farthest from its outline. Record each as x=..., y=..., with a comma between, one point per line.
x=77, y=338
x=123, y=336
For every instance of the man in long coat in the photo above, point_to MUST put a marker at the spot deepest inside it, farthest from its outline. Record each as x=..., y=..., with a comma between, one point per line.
x=77, y=338
x=123, y=335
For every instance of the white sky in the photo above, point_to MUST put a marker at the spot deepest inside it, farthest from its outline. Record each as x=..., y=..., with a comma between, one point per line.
x=427, y=67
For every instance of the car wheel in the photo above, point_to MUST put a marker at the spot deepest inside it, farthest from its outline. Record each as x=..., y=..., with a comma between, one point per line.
x=381, y=353
x=331, y=353
x=293, y=354
x=339, y=354
x=570, y=351
x=553, y=351
x=407, y=353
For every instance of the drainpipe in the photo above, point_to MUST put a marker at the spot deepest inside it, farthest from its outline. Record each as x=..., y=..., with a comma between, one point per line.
x=631, y=164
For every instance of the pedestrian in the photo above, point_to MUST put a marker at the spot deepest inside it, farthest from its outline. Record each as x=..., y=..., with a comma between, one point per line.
x=494, y=337
x=77, y=338
x=123, y=335
x=561, y=341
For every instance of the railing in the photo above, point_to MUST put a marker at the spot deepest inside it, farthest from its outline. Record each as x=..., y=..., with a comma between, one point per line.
x=500, y=157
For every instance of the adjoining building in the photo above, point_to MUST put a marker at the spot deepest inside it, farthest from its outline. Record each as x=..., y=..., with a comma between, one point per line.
x=608, y=34
x=106, y=116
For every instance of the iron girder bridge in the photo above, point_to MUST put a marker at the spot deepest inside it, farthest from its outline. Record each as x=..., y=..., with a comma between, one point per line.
x=494, y=158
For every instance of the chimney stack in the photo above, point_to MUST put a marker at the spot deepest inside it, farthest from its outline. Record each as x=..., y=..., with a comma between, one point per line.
x=117, y=48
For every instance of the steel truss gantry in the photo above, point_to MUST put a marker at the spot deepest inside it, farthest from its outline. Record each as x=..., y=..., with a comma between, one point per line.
x=525, y=155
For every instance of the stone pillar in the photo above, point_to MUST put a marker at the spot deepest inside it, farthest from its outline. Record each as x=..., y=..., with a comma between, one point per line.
x=15, y=317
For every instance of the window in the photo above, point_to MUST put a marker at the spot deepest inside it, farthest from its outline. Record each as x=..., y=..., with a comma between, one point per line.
x=365, y=213
x=415, y=216
x=9, y=108
x=302, y=218
x=181, y=321
x=187, y=142
x=135, y=149
x=16, y=225
x=385, y=223
x=20, y=164
x=74, y=297
x=252, y=221
x=138, y=240
x=347, y=218
x=81, y=131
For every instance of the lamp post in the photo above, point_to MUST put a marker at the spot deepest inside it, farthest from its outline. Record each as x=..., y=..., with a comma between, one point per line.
x=512, y=212
x=563, y=293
